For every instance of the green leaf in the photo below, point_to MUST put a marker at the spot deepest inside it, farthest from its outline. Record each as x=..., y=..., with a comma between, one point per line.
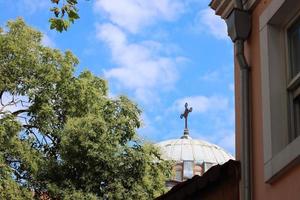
x=57, y=24
x=56, y=11
x=55, y=1
x=73, y=14
x=72, y=2
x=66, y=24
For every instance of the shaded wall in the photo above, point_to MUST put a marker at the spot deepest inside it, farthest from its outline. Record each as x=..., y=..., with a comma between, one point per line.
x=287, y=186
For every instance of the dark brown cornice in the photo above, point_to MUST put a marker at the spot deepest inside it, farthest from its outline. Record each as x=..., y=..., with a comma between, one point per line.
x=224, y=7
x=228, y=173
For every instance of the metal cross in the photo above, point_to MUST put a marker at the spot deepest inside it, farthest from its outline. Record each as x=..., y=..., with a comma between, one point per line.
x=186, y=114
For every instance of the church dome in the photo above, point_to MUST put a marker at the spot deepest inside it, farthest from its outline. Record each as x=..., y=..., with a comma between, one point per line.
x=188, y=149
x=191, y=156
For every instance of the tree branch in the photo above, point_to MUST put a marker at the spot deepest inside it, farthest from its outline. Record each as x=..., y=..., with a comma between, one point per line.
x=52, y=140
x=13, y=102
x=20, y=111
x=37, y=139
x=13, y=161
x=1, y=94
x=29, y=126
x=45, y=140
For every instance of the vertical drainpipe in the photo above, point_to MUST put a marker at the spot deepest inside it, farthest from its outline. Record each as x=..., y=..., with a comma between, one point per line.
x=245, y=113
x=239, y=27
x=245, y=126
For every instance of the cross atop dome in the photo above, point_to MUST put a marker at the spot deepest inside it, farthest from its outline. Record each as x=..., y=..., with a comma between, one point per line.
x=185, y=115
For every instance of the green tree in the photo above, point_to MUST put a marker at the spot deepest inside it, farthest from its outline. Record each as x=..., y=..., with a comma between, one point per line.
x=61, y=135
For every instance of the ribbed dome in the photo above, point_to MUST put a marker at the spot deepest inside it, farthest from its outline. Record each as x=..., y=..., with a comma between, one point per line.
x=192, y=157
x=188, y=149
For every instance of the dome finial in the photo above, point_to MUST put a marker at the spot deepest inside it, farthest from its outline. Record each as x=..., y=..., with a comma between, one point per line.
x=185, y=115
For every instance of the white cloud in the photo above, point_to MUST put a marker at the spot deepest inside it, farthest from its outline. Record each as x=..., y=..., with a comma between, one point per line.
x=208, y=22
x=202, y=104
x=47, y=41
x=139, y=66
x=133, y=15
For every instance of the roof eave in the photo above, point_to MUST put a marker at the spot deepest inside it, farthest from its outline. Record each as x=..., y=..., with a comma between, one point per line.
x=222, y=7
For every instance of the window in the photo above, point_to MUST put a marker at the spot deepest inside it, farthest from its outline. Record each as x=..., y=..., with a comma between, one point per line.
x=188, y=169
x=294, y=47
x=280, y=77
x=178, y=172
x=293, y=34
x=178, y=175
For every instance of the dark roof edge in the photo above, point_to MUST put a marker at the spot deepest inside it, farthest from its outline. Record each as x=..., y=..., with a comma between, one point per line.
x=229, y=170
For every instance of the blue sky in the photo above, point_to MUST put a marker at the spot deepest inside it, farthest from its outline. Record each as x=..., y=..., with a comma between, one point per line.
x=160, y=53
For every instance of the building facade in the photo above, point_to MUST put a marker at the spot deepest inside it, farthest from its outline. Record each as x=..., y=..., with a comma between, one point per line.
x=272, y=51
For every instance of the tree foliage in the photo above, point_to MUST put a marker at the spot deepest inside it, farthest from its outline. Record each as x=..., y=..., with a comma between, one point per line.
x=65, y=13
x=61, y=136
